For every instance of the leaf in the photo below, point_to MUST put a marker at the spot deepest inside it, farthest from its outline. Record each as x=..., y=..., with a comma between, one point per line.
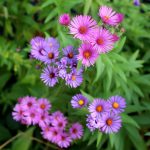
x=99, y=137
x=90, y=98
x=127, y=119
x=147, y=134
x=47, y=3
x=120, y=44
x=87, y=6
x=4, y=133
x=3, y=79
x=79, y=64
x=24, y=141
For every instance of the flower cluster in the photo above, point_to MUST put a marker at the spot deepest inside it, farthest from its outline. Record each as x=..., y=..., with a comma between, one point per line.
x=104, y=115
x=64, y=67
x=95, y=39
x=32, y=111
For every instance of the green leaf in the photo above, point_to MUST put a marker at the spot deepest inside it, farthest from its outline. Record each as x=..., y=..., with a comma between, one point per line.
x=87, y=95
x=3, y=79
x=4, y=133
x=120, y=44
x=79, y=64
x=24, y=141
x=47, y=3
x=147, y=134
x=99, y=137
x=87, y=6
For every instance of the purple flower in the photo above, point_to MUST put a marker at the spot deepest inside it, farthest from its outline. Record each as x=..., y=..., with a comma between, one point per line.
x=69, y=53
x=38, y=46
x=76, y=131
x=64, y=140
x=120, y=17
x=110, y=123
x=117, y=104
x=56, y=114
x=98, y=107
x=136, y=2
x=52, y=43
x=74, y=79
x=79, y=101
x=43, y=105
x=64, y=19
x=46, y=132
x=49, y=76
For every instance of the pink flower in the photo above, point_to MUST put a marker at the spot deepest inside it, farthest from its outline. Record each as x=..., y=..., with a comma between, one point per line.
x=76, y=131
x=87, y=54
x=108, y=16
x=46, y=133
x=56, y=115
x=102, y=40
x=64, y=140
x=82, y=27
x=43, y=105
x=115, y=38
x=64, y=19
x=120, y=17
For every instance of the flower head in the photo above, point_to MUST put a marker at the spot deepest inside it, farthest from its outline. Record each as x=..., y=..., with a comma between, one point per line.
x=87, y=54
x=82, y=27
x=52, y=43
x=136, y=2
x=79, y=101
x=115, y=37
x=76, y=131
x=110, y=123
x=102, y=40
x=49, y=76
x=64, y=19
x=117, y=104
x=98, y=107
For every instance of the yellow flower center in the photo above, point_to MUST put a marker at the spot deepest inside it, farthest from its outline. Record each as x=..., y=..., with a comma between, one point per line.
x=81, y=102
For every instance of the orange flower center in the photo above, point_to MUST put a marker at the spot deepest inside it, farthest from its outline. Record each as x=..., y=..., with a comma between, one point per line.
x=42, y=106
x=87, y=54
x=115, y=105
x=50, y=55
x=106, y=18
x=82, y=30
x=109, y=122
x=73, y=77
x=70, y=55
x=99, y=108
x=81, y=102
x=100, y=41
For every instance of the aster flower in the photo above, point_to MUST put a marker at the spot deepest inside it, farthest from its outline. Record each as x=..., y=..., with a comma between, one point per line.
x=52, y=43
x=87, y=54
x=82, y=27
x=74, y=79
x=102, y=40
x=46, y=132
x=69, y=53
x=56, y=114
x=110, y=123
x=120, y=17
x=51, y=54
x=64, y=19
x=43, y=105
x=38, y=46
x=108, y=15
x=115, y=37
x=79, y=101
x=98, y=107
x=76, y=131
x=117, y=104
x=18, y=112
x=49, y=76
x=64, y=140
x=28, y=102
x=136, y=2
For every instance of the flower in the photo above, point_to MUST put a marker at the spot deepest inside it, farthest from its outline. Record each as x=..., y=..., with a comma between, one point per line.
x=49, y=76
x=120, y=17
x=115, y=37
x=87, y=54
x=110, y=123
x=117, y=104
x=52, y=43
x=46, y=132
x=98, y=107
x=79, y=101
x=108, y=15
x=69, y=53
x=82, y=27
x=64, y=140
x=64, y=19
x=74, y=79
x=136, y=2
x=51, y=54
x=43, y=105
x=18, y=112
x=76, y=131
x=102, y=40
x=38, y=46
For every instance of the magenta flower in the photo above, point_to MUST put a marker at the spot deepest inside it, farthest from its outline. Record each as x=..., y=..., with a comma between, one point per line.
x=79, y=101
x=120, y=17
x=102, y=40
x=82, y=27
x=64, y=140
x=98, y=107
x=115, y=37
x=117, y=104
x=87, y=54
x=49, y=76
x=110, y=123
x=43, y=105
x=108, y=15
x=38, y=46
x=76, y=131
x=56, y=114
x=64, y=19
x=46, y=133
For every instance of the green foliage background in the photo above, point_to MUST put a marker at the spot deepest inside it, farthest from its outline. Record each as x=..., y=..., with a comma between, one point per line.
x=123, y=71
